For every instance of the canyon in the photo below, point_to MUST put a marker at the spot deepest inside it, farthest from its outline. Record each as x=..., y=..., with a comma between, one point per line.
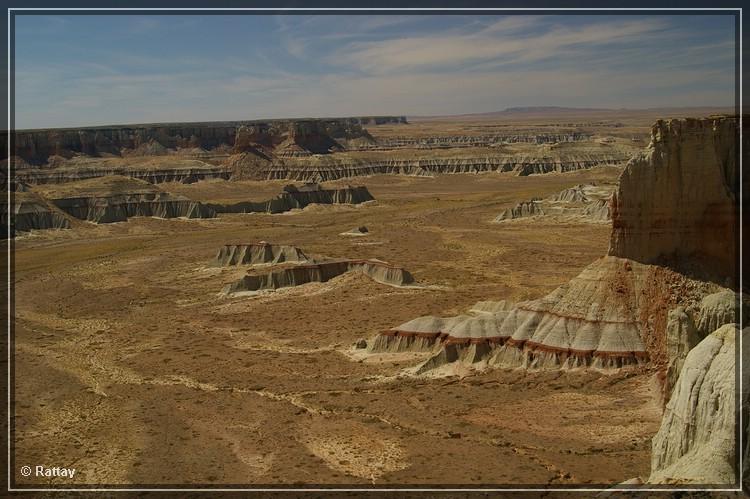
x=394, y=332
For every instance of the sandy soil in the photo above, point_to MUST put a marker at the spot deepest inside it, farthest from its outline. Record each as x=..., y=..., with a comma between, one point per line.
x=130, y=367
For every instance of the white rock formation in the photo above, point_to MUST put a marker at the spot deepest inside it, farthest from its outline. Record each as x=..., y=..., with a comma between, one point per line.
x=696, y=441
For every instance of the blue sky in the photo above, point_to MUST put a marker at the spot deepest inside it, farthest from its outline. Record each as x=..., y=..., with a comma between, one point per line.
x=74, y=70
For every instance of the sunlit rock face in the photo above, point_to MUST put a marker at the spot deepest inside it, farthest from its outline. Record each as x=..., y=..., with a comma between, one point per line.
x=678, y=200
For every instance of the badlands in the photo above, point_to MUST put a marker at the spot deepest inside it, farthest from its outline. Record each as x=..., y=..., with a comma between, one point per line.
x=533, y=298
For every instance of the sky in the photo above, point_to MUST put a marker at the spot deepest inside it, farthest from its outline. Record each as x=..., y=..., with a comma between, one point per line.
x=77, y=70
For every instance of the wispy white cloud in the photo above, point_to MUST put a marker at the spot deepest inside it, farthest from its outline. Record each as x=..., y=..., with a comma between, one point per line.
x=349, y=65
x=499, y=41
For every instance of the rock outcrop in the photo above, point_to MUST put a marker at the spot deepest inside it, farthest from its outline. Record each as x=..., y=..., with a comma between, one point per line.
x=153, y=176
x=380, y=272
x=696, y=441
x=718, y=309
x=681, y=338
x=615, y=313
x=334, y=169
x=689, y=210
x=31, y=212
x=589, y=203
x=303, y=136
x=610, y=316
x=115, y=199
x=262, y=253
x=298, y=198
x=459, y=141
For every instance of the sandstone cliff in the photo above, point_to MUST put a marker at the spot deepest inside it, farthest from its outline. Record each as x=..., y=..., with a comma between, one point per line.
x=615, y=313
x=678, y=201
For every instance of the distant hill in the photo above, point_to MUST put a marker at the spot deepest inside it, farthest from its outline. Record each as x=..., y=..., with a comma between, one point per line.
x=560, y=112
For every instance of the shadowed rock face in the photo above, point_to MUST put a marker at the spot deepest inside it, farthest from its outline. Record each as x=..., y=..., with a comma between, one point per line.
x=298, y=198
x=320, y=272
x=258, y=253
x=30, y=212
x=121, y=207
x=678, y=199
x=115, y=199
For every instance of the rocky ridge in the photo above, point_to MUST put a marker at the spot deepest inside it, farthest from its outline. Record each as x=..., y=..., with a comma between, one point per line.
x=298, y=198
x=615, y=313
x=588, y=203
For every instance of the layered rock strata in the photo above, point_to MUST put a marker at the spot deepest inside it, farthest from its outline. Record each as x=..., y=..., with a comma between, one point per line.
x=31, y=212
x=293, y=198
x=153, y=176
x=305, y=136
x=615, y=313
x=259, y=254
x=458, y=141
x=689, y=210
x=521, y=165
x=119, y=208
x=582, y=202
x=320, y=272
x=115, y=199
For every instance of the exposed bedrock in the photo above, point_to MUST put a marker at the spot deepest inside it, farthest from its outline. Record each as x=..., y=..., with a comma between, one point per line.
x=681, y=338
x=696, y=440
x=320, y=272
x=612, y=315
x=687, y=327
x=258, y=253
x=718, y=309
x=522, y=165
x=294, y=198
x=116, y=198
x=451, y=141
x=153, y=176
x=581, y=202
x=31, y=212
x=615, y=313
x=119, y=208
x=292, y=137
x=678, y=200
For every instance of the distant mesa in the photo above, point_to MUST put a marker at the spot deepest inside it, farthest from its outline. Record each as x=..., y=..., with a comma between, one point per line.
x=115, y=199
x=296, y=149
x=583, y=202
x=290, y=138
